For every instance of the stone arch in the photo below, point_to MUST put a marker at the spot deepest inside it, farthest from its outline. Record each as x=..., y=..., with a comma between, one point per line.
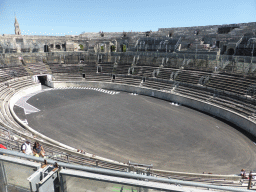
x=46, y=48
x=112, y=48
x=102, y=47
x=230, y=51
x=57, y=46
x=123, y=47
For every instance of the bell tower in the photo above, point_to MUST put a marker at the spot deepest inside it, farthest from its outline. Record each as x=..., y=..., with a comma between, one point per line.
x=17, y=27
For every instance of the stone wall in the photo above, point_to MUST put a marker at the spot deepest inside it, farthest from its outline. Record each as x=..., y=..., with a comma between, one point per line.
x=233, y=39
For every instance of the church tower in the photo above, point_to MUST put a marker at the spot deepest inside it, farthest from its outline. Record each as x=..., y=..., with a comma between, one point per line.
x=17, y=27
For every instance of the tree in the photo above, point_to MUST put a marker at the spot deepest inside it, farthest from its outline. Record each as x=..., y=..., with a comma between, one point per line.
x=81, y=46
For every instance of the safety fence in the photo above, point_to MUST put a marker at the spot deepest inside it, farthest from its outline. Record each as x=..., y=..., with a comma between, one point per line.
x=20, y=172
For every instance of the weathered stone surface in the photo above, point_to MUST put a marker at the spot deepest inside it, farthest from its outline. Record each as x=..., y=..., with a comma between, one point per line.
x=233, y=39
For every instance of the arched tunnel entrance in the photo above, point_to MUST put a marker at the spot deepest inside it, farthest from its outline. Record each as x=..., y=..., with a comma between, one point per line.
x=42, y=79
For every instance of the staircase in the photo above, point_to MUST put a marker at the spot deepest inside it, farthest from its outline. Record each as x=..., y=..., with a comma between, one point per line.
x=238, y=43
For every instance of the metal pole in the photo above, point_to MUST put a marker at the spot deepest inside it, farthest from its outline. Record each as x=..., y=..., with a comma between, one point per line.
x=252, y=52
x=250, y=180
x=3, y=181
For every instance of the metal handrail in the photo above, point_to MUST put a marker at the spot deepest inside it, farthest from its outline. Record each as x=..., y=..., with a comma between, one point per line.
x=120, y=174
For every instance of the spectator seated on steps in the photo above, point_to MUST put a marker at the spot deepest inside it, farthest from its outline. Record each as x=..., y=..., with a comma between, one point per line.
x=38, y=150
x=26, y=148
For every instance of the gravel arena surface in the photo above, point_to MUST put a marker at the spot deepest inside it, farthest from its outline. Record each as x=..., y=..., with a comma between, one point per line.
x=141, y=129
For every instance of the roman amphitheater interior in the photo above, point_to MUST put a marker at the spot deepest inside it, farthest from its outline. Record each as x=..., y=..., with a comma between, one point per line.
x=211, y=69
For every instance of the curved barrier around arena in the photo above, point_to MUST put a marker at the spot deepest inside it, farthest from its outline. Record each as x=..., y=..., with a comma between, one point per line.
x=184, y=100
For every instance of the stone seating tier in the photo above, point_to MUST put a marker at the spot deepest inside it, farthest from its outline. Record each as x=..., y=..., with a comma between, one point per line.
x=122, y=68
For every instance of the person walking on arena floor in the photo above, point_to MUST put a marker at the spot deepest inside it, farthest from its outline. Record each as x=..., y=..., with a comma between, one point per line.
x=26, y=148
x=38, y=150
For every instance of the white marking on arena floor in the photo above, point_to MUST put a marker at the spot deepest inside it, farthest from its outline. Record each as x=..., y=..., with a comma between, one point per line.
x=133, y=94
x=28, y=109
x=175, y=104
x=25, y=121
x=22, y=103
x=90, y=88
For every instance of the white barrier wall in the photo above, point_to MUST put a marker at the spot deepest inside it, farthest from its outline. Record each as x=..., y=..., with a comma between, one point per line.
x=24, y=92
x=233, y=117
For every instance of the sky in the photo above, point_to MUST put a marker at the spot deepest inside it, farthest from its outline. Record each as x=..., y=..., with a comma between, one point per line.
x=67, y=17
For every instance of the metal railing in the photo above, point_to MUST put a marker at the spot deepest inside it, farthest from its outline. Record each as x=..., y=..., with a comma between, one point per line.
x=29, y=182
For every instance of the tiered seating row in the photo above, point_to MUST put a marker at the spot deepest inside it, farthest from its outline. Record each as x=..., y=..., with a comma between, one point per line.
x=67, y=77
x=88, y=68
x=59, y=68
x=165, y=73
x=106, y=67
x=190, y=76
x=37, y=68
x=128, y=81
x=158, y=85
x=122, y=68
x=98, y=77
x=233, y=84
x=12, y=72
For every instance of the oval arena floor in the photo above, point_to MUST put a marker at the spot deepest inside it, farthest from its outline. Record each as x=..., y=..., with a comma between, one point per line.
x=141, y=129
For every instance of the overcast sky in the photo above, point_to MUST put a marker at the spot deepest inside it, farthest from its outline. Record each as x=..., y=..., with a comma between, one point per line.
x=56, y=17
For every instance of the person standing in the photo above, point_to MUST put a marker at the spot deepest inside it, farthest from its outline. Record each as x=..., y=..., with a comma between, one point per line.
x=26, y=148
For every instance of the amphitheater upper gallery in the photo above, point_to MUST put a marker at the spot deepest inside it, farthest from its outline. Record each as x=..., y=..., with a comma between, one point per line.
x=232, y=39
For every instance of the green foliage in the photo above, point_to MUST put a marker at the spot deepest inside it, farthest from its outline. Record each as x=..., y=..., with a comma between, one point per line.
x=113, y=48
x=124, y=48
x=81, y=46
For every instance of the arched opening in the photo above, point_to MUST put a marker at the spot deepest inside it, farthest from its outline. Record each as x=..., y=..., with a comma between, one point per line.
x=112, y=48
x=217, y=44
x=46, y=48
x=57, y=46
x=123, y=48
x=35, y=50
x=230, y=51
x=102, y=48
x=81, y=47
x=64, y=47
x=42, y=79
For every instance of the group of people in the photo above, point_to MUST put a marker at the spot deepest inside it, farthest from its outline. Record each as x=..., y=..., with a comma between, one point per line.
x=37, y=149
